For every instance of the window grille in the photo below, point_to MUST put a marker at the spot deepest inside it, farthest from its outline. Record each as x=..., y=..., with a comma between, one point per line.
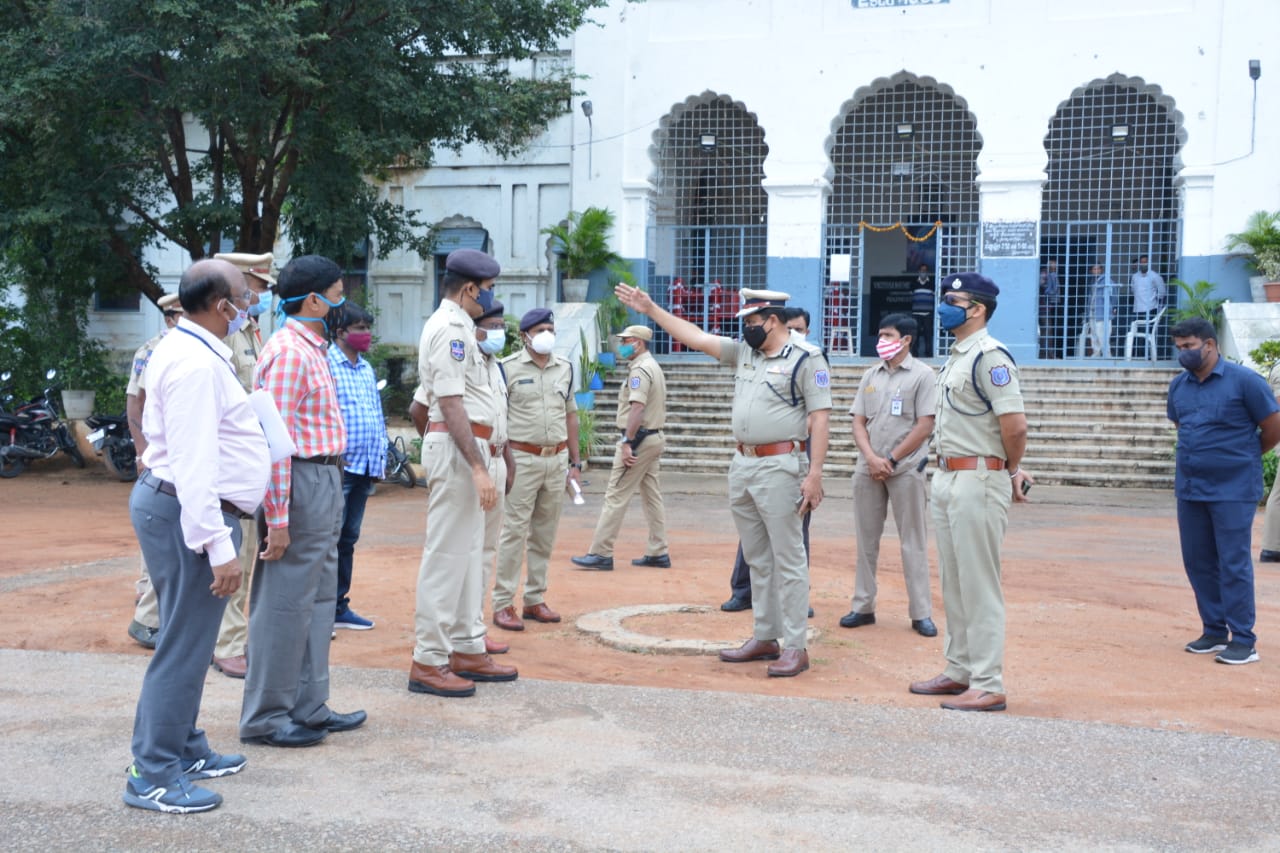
x=1109, y=199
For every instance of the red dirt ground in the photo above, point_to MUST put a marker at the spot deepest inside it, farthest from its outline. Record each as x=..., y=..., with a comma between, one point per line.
x=1098, y=606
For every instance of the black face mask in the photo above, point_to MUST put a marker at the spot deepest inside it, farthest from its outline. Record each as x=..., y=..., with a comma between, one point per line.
x=754, y=335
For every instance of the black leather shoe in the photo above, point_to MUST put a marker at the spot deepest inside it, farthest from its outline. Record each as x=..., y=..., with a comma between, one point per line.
x=925, y=627
x=662, y=561
x=291, y=734
x=735, y=604
x=342, y=722
x=857, y=620
x=594, y=561
x=1269, y=556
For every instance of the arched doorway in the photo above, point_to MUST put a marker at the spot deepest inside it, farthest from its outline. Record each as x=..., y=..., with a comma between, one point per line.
x=903, y=197
x=1108, y=201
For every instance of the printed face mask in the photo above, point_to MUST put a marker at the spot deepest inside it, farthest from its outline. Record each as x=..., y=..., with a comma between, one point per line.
x=887, y=348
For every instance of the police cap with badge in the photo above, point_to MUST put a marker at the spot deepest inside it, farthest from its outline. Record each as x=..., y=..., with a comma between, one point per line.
x=258, y=266
x=755, y=300
x=975, y=284
x=472, y=265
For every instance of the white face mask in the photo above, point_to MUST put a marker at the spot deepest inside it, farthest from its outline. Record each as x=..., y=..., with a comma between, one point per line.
x=543, y=342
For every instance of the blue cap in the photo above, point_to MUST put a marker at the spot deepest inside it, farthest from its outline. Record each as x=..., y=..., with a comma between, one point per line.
x=536, y=316
x=970, y=282
x=472, y=264
x=495, y=310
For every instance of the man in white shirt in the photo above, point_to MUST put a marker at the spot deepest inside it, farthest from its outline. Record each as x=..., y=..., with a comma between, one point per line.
x=1149, y=291
x=206, y=468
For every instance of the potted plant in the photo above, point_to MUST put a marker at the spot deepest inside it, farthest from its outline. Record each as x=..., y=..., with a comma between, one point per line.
x=1259, y=245
x=611, y=314
x=588, y=376
x=1199, y=301
x=583, y=247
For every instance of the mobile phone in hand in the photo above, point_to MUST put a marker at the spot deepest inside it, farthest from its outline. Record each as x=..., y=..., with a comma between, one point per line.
x=1026, y=487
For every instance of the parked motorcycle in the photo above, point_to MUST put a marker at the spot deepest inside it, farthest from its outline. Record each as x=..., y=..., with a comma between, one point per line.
x=398, y=469
x=113, y=441
x=35, y=431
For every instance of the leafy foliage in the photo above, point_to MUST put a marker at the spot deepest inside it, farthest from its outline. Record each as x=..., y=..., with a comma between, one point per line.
x=1261, y=240
x=1199, y=302
x=584, y=241
x=1266, y=354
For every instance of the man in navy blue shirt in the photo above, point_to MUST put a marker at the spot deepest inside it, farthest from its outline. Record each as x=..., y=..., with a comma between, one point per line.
x=1226, y=418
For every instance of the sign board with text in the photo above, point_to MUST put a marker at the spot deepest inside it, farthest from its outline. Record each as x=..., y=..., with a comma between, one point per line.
x=1009, y=240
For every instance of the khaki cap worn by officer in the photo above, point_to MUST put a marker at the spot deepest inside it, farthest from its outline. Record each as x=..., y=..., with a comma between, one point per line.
x=541, y=408
x=647, y=385
x=450, y=576
x=971, y=493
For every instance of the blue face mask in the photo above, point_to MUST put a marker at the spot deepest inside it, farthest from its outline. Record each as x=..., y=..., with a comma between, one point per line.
x=626, y=350
x=318, y=295
x=1191, y=359
x=485, y=298
x=494, y=341
x=258, y=308
x=951, y=316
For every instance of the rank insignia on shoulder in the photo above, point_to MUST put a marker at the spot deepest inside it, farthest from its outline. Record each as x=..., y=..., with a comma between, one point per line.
x=1000, y=375
x=635, y=382
x=457, y=349
x=821, y=378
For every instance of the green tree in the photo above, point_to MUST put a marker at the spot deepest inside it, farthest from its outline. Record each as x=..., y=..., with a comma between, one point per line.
x=129, y=123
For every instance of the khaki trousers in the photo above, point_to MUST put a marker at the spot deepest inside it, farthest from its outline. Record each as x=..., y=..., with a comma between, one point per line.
x=234, y=631
x=450, y=591
x=762, y=496
x=147, y=611
x=970, y=514
x=1271, y=521
x=871, y=501
x=532, y=517
x=624, y=482
x=492, y=531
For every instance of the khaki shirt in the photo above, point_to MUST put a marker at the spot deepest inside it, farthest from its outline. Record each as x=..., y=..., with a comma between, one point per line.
x=246, y=346
x=646, y=385
x=499, y=387
x=538, y=398
x=138, y=373
x=893, y=399
x=762, y=405
x=1273, y=379
x=964, y=426
x=451, y=365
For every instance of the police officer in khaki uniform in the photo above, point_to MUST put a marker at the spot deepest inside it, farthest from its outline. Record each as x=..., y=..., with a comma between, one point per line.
x=543, y=422
x=892, y=421
x=449, y=656
x=642, y=411
x=783, y=394
x=245, y=343
x=145, y=624
x=980, y=436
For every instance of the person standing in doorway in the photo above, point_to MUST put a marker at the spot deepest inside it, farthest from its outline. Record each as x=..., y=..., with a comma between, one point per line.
x=1100, y=312
x=1051, y=319
x=1148, y=293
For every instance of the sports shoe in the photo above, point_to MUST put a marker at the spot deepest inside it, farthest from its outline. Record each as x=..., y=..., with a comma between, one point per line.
x=214, y=765
x=1207, y=645
x=142, y=635
x=1237, y=653
x=180, y=797
x=350, y=619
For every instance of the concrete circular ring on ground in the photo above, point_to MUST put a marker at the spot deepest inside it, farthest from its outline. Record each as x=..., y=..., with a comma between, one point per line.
x=607, y=626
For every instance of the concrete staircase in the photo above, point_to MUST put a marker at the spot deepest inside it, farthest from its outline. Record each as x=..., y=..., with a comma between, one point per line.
x=1088, y=426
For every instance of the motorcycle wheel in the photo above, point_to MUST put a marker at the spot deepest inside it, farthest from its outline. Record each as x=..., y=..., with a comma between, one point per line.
x=122, y=461
x=68, y=444
x=404, y=476
x=10, y=467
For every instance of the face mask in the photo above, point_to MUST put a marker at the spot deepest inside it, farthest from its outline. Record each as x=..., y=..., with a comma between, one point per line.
x=951, y=316
x=494, y=341
x=626, y=350
x=887, y=348
x=238, y=321
x=360, y=341
x=1191, y=359
x=485, y=298
x=543, y=342
x=342, y=300
x=258, y=308
x=754, y=335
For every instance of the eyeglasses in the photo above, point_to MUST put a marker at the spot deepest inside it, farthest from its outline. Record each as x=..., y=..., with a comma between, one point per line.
x=242, y=299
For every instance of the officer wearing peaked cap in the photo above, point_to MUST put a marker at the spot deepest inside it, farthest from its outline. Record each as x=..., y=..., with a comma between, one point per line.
x=782, y=394
x=979, y=436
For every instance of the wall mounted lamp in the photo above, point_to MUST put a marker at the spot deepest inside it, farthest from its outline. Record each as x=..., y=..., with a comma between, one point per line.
x=905, y=130
x=707, y=141
x=1119, y=133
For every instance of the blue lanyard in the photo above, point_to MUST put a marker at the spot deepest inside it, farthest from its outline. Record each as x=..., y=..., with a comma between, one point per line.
x=212, y=350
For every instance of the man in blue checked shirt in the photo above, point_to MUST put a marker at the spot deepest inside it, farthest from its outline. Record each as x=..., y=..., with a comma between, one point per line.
x=365, y=458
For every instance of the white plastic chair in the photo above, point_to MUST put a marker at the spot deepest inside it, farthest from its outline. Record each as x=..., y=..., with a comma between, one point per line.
x=1145, y=329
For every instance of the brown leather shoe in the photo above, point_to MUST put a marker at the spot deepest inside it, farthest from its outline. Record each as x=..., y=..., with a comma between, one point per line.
x=976, y=700
x=439, y=681
x=234, y=667
x=480, y=668
x=507, y=620
x=793, y=662
x=752, y=649
x=493, y=647
x=540, y=613
x=939, y=685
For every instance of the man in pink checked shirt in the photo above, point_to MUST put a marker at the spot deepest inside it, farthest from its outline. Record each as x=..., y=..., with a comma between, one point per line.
x=295, y=584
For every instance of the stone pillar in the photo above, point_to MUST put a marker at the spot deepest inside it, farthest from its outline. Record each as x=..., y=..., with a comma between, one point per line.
x=797, y=209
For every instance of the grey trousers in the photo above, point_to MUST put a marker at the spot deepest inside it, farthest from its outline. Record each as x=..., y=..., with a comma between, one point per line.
x=165, y=738
x=291, y=609
x=872, y=498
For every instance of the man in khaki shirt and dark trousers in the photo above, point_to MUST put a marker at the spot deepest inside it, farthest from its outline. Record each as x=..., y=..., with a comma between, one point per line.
x=892, y=420
x=980, y=436
x=642, y=411
x=542, y=424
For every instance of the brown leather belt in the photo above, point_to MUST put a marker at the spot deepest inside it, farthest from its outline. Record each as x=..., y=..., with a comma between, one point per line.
x=320, y=460
x=969, y=463
x=167, y=488
x=478, y=430
x=776, y=449
x=538, y=449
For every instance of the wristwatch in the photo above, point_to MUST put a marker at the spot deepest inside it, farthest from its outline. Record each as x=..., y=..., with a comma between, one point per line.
x=577, y=465
x=892, y=461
